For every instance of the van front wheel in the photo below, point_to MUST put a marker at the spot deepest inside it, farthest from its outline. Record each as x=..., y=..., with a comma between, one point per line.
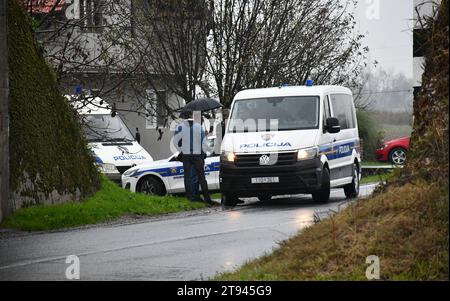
x=352, y=190
x=322, y=195
x=229, y=200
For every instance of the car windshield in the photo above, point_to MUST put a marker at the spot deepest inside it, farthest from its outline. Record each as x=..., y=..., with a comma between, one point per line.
x=104, y=127
x=262, y=114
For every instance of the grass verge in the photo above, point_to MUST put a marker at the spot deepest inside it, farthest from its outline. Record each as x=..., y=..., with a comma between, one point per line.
x=217, y=195
x=407, y=227
x=109, y=203
x=374, y=163
x=377, y=178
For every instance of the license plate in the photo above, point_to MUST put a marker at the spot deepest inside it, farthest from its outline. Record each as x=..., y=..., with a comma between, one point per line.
x=265, y=180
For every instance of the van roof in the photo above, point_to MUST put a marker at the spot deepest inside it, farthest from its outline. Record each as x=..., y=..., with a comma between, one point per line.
x=90, y=106
x=291, y=91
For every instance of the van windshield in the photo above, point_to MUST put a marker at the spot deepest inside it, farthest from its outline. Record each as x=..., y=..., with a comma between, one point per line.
x=103, y=127
x=262, y=114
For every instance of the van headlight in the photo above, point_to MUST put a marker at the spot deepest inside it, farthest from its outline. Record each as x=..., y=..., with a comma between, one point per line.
x=107, y=168
x=228, y=156
x=307, y=153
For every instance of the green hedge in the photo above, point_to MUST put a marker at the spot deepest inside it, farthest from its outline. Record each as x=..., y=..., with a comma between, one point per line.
x=47, y=149
x=369, y=133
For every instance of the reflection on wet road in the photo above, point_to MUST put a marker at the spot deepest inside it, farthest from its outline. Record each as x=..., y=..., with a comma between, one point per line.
x=186, y=248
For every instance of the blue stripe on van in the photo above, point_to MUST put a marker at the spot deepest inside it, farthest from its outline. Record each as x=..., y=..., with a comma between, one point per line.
x=340, y=150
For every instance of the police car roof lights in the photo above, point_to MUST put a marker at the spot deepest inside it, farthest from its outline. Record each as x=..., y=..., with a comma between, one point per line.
x=309, y=83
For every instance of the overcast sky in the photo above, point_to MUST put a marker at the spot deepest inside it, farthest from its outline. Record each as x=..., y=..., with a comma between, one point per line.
x=388, y=31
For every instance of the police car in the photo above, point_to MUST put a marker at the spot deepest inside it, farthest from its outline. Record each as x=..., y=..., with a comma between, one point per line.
x=113, y=146
x=167, y=176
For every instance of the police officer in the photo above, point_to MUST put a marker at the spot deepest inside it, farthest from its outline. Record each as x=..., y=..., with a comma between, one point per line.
x=138, y=136
x=193, y=155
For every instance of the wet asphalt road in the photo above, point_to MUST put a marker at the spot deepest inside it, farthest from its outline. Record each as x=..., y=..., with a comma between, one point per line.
x=185, y=248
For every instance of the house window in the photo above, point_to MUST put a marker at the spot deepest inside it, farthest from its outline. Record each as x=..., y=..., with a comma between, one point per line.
x=156, y=110
x=195, y=9
x=91, y=14
x=419, y=41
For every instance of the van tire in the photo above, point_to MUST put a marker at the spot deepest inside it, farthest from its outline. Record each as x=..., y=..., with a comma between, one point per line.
x=151, y=186
x=322, y=196
x=229, y=200
x=352, y=190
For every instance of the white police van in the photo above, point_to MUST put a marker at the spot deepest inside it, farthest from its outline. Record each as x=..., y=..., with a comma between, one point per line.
x=114, y=147
x=289, y=140
x=167, y=176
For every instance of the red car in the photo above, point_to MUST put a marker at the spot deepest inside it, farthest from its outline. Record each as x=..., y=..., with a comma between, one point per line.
x=394, y=151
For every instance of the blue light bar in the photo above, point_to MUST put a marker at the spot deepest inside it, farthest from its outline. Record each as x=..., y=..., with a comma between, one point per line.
x=78, y=89
x=309, y=83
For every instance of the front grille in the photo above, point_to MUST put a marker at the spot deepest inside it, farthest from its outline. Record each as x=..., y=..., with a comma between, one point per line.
x=122, y=169
x=253, y=159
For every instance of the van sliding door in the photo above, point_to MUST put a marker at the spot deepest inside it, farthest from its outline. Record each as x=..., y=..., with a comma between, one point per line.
x=346, y=140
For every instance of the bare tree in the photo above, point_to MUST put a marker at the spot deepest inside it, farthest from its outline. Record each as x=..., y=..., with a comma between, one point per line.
x=213, y=47
x=174, y=34
x=267, y=43
x=383, y=90
x=138, y=44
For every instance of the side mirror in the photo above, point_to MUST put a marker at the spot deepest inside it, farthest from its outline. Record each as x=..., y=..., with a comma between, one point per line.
x=179, y=157
x=137, y=136
x=332, y=125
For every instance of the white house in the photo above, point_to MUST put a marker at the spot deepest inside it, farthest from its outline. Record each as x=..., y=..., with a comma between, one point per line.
x=150, y=109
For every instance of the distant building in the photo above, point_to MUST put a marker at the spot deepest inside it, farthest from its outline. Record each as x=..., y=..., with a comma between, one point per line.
x=422, y=9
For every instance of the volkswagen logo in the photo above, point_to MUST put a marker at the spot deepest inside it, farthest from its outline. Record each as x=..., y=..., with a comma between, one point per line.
x=267, y=137
x=264, y=160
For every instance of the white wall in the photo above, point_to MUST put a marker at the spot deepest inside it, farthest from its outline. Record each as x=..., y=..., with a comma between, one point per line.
x=417, y=71
x=158, y=146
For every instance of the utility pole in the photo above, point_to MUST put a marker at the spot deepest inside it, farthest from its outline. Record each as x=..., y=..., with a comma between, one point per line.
x=4, y=113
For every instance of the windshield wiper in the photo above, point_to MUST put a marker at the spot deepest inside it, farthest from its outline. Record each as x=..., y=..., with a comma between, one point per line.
x=120, y=140
x=95, y=140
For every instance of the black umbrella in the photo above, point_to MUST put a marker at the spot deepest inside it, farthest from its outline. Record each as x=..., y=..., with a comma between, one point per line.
x=202, y=104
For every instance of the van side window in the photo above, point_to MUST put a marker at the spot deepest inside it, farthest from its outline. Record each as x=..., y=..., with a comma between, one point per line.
x=343, y=110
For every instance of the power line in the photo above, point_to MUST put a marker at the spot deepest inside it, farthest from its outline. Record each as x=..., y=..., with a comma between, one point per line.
x=382, y=92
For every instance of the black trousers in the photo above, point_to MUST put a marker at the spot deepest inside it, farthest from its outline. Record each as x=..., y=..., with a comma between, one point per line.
x=197, y=163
